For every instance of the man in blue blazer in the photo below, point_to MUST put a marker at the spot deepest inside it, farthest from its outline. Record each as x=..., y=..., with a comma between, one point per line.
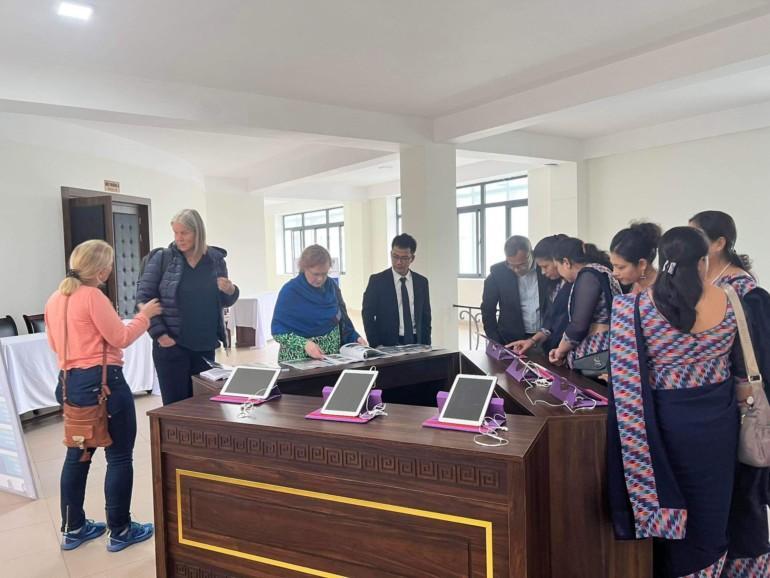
x=396, y=308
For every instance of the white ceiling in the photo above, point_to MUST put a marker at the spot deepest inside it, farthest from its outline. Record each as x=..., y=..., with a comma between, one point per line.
x=546, y=76
x=213, y=154
x=388, y=168
x=425, y=57
x=652, y=107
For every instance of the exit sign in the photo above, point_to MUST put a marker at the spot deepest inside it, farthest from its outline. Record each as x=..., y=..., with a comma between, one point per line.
x=111, y=187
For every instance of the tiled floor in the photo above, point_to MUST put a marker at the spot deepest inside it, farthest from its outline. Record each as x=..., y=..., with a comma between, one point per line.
x=29, y=530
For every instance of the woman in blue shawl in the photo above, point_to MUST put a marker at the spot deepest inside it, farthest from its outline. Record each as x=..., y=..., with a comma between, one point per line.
x=310, y=318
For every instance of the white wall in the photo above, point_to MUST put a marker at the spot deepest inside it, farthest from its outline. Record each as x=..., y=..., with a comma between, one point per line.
x=366, y=242
x=32, y=237
x=669, y=184
x=235, y=221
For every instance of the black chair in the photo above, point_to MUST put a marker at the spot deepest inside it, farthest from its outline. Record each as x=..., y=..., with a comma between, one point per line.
x=35, y=323
x=8, y=327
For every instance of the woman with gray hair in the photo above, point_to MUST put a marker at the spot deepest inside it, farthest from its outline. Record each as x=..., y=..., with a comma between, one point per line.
x=190, y=279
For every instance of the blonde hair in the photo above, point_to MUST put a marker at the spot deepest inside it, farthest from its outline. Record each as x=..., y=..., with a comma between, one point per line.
x=192, y=220
x=86, y=262
x=313, y=256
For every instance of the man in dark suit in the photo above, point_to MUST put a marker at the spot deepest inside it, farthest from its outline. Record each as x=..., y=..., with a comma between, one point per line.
x=396, y=308
x=519, y=289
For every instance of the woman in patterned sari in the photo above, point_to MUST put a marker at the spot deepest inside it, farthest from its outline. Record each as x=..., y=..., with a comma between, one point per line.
x=673, y=421
x=748, y=531
x=593, y=287
x=310, y=317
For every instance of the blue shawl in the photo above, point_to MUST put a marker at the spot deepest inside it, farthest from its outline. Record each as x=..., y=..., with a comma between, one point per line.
x=306, y=310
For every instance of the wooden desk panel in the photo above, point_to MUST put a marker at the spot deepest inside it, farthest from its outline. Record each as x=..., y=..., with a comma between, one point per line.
x=274, y=494
x=582, y=541
x=413, y=379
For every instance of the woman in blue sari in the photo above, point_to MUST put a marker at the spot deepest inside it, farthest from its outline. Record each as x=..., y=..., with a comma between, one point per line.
x=585, y=343
x=673, y=421
x=310, y=317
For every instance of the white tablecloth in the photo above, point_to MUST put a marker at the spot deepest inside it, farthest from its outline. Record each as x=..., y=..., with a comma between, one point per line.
x=255, y=312
x=31, y=369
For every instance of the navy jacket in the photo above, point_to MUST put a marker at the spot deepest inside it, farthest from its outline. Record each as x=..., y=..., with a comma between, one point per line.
x=156, y=284
x=380, y=309
x=501, y=289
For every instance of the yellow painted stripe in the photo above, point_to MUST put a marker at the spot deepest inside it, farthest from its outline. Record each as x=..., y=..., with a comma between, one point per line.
x=485, y=524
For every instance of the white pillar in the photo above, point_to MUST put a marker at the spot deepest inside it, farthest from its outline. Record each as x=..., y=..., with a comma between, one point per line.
x=429, y=209
x=554, y=205
x=235, y=221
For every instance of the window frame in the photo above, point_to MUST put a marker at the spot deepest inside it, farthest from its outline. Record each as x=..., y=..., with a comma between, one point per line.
x=302, y=228
x=399, y=223
x=482, y=266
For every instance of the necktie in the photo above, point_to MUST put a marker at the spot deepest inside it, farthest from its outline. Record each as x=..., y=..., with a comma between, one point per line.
x=407, y=312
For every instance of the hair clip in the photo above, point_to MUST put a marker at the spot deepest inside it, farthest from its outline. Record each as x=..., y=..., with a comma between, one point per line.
x=669, y=267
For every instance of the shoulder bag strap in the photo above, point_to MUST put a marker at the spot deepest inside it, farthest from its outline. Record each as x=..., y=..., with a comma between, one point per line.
x=747, y=347
x=64, y=365
x=105, y=392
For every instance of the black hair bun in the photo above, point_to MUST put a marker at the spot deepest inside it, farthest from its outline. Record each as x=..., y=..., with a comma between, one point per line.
x=649, y=231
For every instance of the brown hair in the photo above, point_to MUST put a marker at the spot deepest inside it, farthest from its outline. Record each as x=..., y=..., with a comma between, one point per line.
x=313, y=256
x=86, y=261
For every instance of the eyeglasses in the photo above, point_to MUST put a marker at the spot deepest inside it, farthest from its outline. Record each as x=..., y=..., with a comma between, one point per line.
x=520, y=266
x=401, y=258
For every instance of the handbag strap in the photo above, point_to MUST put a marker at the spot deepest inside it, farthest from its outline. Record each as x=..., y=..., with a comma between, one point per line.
x=64, y=368
x=749, y=358
x=105, y=390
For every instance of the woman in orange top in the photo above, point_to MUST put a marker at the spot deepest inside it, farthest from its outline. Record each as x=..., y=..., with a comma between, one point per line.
x=83, y=329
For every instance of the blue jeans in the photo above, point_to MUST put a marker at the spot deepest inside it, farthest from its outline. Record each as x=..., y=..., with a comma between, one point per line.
x=175, y=366
x=83, y=387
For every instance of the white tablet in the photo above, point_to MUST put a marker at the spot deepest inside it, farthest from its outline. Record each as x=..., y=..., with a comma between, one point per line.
x=251, y=382
x=468, y=399
x=350, y=392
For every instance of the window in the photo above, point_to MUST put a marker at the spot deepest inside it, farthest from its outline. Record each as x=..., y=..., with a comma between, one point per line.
x=399, y=230
x=324, y=227
x=487, y=214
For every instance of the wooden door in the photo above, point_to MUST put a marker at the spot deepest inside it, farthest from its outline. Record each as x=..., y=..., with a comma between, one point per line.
x=88, y=218
x=122, y=221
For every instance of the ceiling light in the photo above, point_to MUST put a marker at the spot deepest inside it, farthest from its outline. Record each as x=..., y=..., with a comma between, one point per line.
x=79, y=11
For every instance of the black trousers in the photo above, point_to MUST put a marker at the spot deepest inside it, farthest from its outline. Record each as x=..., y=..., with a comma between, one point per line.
x=175, y=366
x=401, y=340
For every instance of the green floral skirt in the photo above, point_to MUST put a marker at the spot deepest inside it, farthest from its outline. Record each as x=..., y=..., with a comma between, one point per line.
x=293, y=345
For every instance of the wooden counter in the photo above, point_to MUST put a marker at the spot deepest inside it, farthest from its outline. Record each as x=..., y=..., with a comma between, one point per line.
x=582, y=541
x=275, y=494
x=391, y=458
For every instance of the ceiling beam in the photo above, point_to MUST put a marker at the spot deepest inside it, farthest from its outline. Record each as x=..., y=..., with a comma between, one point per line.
x=527, y=147
x=68, y=93
x=741, y=46
x=312, y=161
x=745, y=118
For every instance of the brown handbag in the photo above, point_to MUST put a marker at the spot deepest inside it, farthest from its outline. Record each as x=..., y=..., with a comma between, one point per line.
x=754, y=440
x=85, y=427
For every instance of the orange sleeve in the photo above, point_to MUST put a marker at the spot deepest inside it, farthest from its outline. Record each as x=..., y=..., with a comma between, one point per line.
x=48, y=332
x=109, y=324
